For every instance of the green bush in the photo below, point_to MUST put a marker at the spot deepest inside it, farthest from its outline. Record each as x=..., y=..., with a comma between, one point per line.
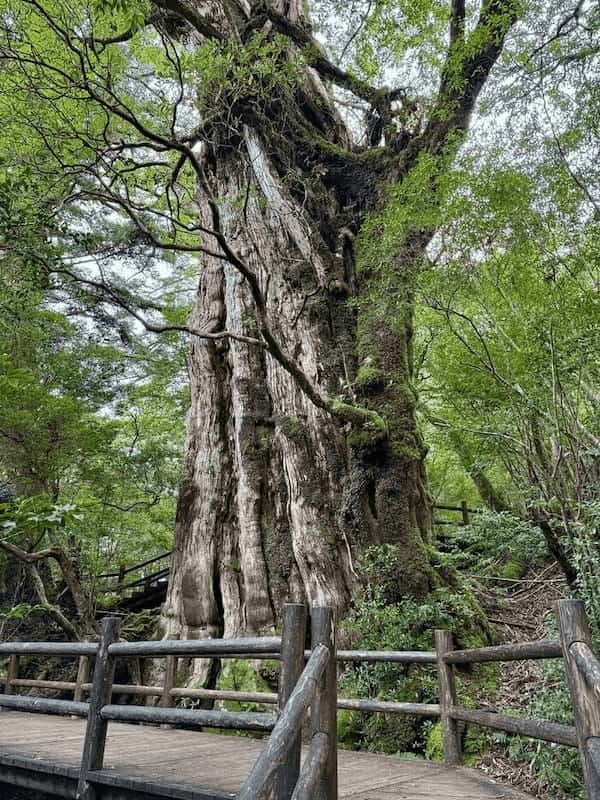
x=383, y=621
x=498, y=542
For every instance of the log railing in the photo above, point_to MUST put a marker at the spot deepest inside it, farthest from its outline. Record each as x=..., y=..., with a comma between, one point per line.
x=583, y=676
x=300, y=686
x=462, y=509
x=313, y=685
x=118, y=582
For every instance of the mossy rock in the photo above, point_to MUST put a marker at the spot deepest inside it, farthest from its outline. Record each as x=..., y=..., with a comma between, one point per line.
x=514, y=569
x=369, y=377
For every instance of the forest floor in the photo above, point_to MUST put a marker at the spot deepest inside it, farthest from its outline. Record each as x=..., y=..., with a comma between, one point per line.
x=519, y=611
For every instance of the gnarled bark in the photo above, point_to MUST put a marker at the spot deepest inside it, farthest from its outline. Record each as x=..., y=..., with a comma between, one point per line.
x=279, y=493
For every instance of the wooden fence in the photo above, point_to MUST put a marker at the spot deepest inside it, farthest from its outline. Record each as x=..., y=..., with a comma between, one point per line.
x=308, y=680
x=462, y=509
x=138, y=580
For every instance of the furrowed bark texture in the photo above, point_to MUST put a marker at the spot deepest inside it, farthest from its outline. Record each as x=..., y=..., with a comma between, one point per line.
x=258, y=518
x=279, y=494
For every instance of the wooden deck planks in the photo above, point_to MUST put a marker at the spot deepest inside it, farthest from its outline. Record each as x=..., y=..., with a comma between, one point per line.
x=223, y=762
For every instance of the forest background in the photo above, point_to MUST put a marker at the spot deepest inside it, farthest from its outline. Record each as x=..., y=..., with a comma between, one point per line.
x=434, y=326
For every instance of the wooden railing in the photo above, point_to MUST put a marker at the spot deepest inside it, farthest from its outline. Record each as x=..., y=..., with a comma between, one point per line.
x=117, y=582
x=314, y=686
x=462, y=509
x=300, y=686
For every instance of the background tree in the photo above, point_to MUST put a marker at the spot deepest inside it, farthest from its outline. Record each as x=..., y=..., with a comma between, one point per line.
x=509, y=312
x=90, y=456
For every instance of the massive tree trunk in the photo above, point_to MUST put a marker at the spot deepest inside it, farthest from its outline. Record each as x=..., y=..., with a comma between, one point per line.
x=281, y=493
x=275, y=501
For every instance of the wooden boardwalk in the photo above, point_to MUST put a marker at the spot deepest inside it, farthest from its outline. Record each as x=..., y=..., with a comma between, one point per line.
x=176, y=758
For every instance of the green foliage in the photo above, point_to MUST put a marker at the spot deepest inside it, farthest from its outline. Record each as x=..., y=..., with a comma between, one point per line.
x=228, y=72
x=493, y=542
x=20, y=611
x=509, y=335
x=91, y=429
x=434, y=749
x=559, y=768
x=383, y=621
x=407, y=35
x=586, y=557
x=34, y=516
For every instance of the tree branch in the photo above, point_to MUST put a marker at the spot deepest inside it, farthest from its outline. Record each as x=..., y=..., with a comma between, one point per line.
x=302, y=36
x=54, y=611
x=190, y=15
x=468, y=65
x=125, y=36
x=114, y=297
x=30, y=558
x=457, y=21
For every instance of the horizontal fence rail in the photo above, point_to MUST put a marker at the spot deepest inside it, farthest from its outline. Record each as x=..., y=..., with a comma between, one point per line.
x=302, y=685
x=44, y=705
x=49, y=648
x=506, y=652
x=191, y=718
x=534, y=728
x=126, y=570
x=199, y=648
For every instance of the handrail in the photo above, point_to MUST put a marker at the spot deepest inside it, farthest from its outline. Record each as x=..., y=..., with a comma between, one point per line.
x=588, y=665
x=198, y=647
x=542, y=649
x=535, y=728
x=257, y=784
x=190, y=717
x=584, y=686
x=387, y=656
x=573, y=645
x=313, y=767
x=44, y=705
x=49, y=648
x=127, y=570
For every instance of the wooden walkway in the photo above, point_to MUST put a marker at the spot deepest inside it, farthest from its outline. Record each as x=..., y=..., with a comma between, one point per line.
x=182, y=759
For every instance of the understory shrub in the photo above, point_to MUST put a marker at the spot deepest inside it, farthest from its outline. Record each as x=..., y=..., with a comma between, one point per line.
x=382, y=621
x=498, y=543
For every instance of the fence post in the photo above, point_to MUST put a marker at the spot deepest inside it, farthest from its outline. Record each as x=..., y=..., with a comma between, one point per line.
x=293, y=637
x=451, y=736
x=573, y=627
x=12, y=673
x=464, y=508
x=120, y=579
x=101, y=692
x=83, y=676
x=166, y=701
x=323, y=714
